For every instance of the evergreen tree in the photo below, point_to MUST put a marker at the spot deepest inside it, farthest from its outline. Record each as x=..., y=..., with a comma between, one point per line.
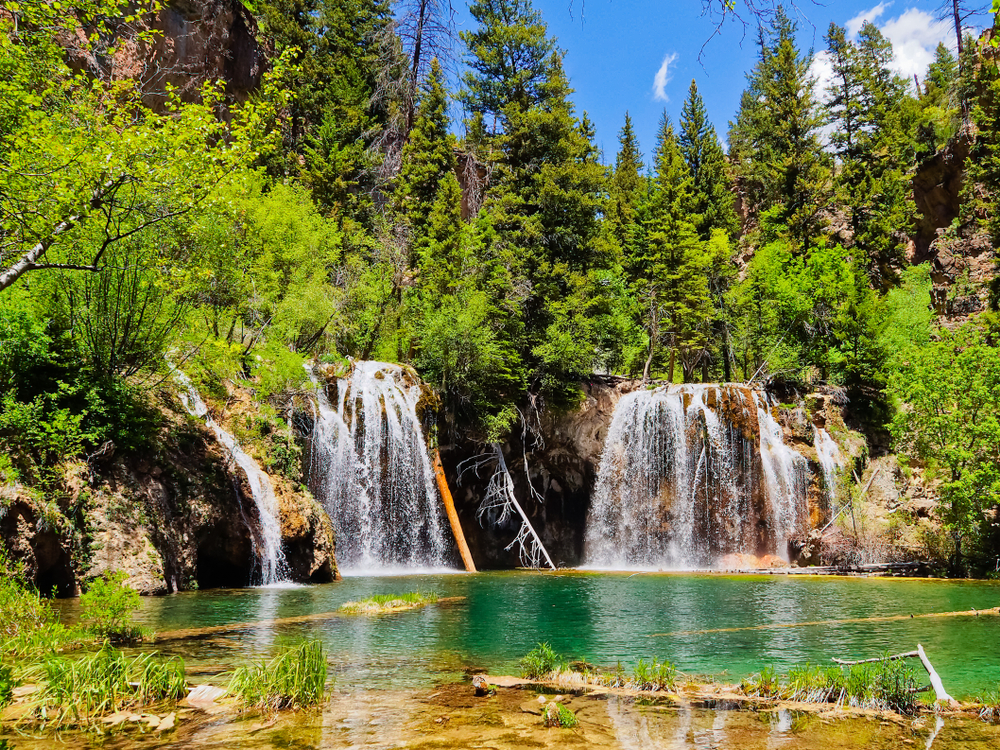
x=545, y=190
x=712, y=200
x=667, y=272
x=774, y=143
x=627, y=189
x=871, y=145
x=428, y=157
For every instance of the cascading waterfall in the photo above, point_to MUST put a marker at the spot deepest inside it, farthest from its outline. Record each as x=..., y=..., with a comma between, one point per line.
x=691, y=473
x=270, y=557
x=830, y=461
x=371, y=470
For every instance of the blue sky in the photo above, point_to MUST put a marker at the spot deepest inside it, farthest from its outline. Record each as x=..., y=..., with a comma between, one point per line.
x=640, y=56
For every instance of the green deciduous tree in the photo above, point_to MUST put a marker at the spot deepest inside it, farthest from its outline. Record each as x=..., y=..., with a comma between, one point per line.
x=950, y=388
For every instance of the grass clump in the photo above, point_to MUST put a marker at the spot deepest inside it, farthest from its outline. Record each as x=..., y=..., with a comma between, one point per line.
x=108, y=605
x=388, y=603
x=654, y=675
x=541, y=660
x=29, y=627
x=990, y=706
x=7, y=683
x=295, y=678
x=105, y=682
x=884, y=684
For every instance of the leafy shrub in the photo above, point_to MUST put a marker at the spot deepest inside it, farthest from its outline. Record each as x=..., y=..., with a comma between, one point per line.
x=295, y=678
x=107, y=607
x=541, y=660
x=654, y=675
x=105, y=682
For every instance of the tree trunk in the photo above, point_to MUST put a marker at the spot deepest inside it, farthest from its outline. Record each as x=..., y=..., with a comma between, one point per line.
x=958, y=27
x=449, y=506
x=670, y=375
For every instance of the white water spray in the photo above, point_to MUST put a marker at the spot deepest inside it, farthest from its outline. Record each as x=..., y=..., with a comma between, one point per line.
x=371, y=470
x=831, y=462
x=691, y=473
x=270, y=557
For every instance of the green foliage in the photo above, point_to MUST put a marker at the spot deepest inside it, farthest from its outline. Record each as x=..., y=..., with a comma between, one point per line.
x=654, y=675
x=295, y=678
x=540, y=661
x=950, y=386
x=567, y=719
x=763, y=684
x=107, y=607
x=86, y=688
x=774, y=144
x=7, y=684
x=28, y=624
x=990, y=706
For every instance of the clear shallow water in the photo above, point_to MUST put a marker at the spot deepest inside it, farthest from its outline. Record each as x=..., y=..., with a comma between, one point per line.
x=602, y=617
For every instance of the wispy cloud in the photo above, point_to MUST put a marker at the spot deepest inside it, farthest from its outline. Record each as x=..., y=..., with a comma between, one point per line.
x=854, y=25
x=662, y=77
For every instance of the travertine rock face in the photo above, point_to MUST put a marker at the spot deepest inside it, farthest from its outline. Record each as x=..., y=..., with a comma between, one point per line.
x=193, y=41
x=176, y=520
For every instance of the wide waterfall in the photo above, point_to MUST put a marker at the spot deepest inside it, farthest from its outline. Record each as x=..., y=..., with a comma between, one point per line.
x=270, y=557
x=371, y=470
x=691, y=473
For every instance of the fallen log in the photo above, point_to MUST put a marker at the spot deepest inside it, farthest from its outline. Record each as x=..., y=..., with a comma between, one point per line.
x=449, y=506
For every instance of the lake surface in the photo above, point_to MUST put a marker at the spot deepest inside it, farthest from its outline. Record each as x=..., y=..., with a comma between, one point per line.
x=601, y=617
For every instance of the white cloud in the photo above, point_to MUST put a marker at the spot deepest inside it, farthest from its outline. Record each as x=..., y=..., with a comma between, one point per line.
x=662, y=77
x=821, y=69
x=854, y=25
x=915, y=35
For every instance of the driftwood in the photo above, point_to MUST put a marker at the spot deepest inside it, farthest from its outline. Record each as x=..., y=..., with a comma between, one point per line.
x=941, y=695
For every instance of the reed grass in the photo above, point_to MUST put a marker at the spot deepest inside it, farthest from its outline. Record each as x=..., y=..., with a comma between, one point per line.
x=884, y=684
x=388, y=602
x=85, y=688
x=540, y=661
x=295, y=678
x=654, y=675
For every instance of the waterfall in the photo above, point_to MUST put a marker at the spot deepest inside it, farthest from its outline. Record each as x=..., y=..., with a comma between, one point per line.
x=371, y=470
x=270, y=558
x=691, y=473
x=830, y=460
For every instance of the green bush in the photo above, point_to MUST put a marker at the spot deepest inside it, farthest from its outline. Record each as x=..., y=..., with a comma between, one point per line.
x=104, y=682
x=107, y=607
x=295, y=678
x=541, y=660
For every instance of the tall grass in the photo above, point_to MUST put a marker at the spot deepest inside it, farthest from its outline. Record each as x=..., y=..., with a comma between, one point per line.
x=990, y=706
x=654, y=675
x=295, y=678
x=883, y=684
x=28, y=624
x=104, y=682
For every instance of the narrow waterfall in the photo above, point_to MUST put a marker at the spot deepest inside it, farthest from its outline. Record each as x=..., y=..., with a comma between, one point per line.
x=830, y=460
x=371, y=470
x=270, y=557
x=689, y=474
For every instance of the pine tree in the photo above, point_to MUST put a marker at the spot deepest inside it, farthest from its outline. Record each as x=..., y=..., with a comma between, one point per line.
x=626, y=190
x=712, y=200
x=442, y=250
x=427, y=158
x=667, y=272
x=870, y=143
x=774, y=143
